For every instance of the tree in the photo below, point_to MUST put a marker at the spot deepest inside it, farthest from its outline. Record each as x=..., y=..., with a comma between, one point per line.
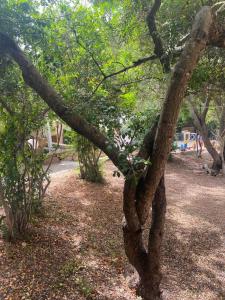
x=23, y=181
x=205, y=101
x=88, y=157
x=144, y=183
x=199, y=120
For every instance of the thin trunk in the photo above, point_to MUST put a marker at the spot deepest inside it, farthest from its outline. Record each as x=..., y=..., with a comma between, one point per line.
x=222, y=156
x=222, y=138
x=217, y=163
x=200, y=124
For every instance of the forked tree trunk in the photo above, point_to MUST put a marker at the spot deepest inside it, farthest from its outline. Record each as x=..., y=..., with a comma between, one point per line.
x=200, y=124
x=147, y=263
x=138, y=201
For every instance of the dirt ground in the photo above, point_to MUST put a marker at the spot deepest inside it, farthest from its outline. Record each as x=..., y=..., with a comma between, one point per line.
x=75, y=251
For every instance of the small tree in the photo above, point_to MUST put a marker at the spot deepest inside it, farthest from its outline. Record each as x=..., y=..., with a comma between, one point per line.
x=88, y=157
x=200, y=121
x=23, y=181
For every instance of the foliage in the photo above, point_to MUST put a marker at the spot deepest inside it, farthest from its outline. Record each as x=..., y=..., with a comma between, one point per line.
x=22, y=178
x=88, y=157
x=90, y=54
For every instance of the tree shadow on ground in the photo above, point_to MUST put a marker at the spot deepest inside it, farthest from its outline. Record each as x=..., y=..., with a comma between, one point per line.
x=192, y=262
x=43, y=267
x=75, y=252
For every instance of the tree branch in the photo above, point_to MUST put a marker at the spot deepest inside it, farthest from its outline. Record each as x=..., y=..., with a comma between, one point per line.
x=55, y=101
x=206, y=105
x=189, y=58
x=195, y=115
x=125, y=69
x=134, y=65
x=159, y=50
x=148, y=142
x=89, y=52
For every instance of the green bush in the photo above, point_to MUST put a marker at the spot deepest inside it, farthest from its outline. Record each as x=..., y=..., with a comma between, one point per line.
x=23, y=181
x=88, y=157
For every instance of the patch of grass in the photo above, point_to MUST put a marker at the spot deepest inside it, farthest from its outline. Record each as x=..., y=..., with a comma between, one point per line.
x=71, y=267
x=84, y=287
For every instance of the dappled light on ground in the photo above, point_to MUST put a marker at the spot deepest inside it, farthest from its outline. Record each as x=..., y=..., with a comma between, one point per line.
x=75, y=251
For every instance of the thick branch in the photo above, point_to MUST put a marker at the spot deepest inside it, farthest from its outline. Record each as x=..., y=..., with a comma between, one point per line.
x=217, y=38
x=183, y=70
x=159, y=50
x=148, y=142
x=55, y=101
x=222, y=122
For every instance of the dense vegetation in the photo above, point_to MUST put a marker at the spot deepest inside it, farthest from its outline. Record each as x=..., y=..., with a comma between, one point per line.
x=121, y=74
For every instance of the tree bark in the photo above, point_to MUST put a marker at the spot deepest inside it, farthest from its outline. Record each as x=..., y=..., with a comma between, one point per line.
x=217, y=162
x=151, y=279
x=182, y=72
x=222, y=138
x=159, y=50
x=147, y=263
x=200, y=124
x=55, y=101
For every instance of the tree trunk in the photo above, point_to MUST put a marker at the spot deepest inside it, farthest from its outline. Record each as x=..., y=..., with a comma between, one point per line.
x=200, y=124
x=217, y=162
x=16, y=222
x=222, y=157
x=147, y=263
x=222, y=137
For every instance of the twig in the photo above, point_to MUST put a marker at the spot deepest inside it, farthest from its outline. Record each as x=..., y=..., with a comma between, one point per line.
x=86, y=49
x=134, y=65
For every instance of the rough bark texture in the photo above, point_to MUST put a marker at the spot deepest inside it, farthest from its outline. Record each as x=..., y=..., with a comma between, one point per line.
x=150, y=188
x=150, y=282
x=146, y=262
x=222, y=137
